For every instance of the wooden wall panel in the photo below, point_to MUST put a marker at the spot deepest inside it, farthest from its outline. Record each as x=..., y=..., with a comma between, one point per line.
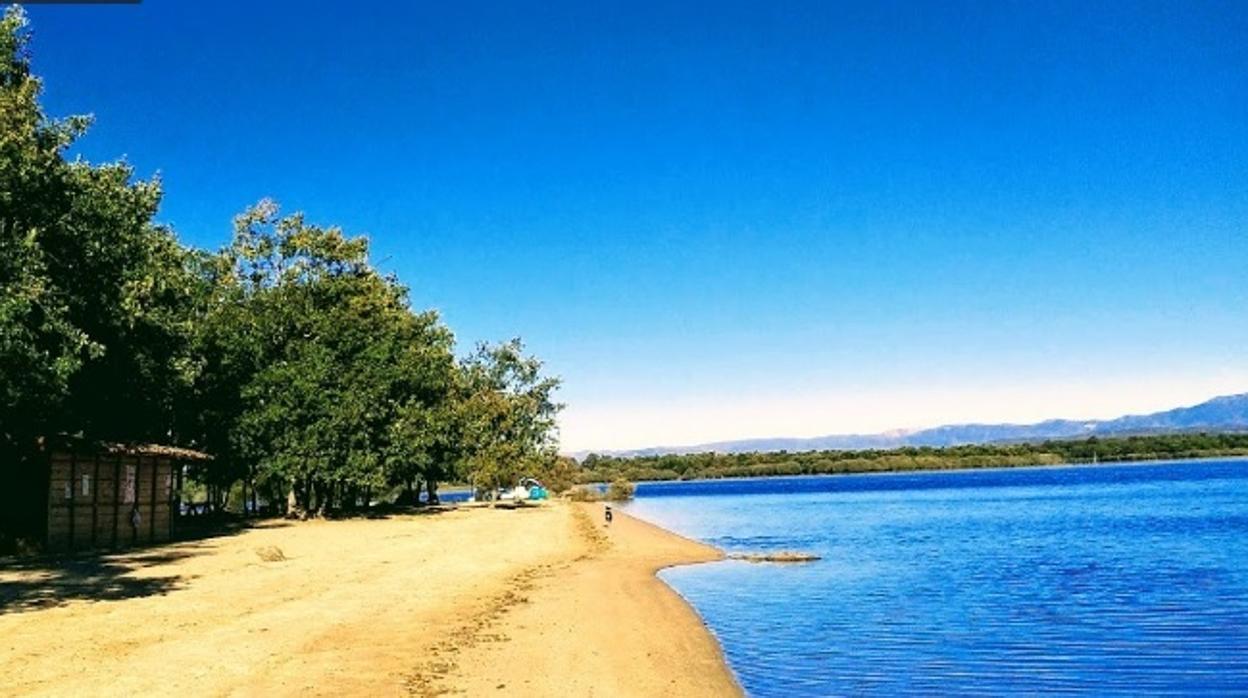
x=100, y=517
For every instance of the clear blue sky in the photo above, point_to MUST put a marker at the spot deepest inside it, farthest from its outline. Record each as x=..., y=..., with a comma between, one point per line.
x=732, y=219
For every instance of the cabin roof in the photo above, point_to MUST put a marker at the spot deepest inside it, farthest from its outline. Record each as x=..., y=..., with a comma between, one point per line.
x=154, y=450
x=78, y=443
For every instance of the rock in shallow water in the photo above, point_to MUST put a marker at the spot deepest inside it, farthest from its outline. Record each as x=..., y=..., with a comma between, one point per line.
x=781, y=556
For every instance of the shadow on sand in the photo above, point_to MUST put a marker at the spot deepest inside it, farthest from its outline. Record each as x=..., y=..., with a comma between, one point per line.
x=29, y=583
x=34, y=582
x=386, y=511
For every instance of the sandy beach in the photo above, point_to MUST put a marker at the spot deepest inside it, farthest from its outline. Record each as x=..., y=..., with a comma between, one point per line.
x=535, y=602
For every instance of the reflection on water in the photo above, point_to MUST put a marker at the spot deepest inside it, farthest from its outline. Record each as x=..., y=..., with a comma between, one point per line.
x=1105, y=580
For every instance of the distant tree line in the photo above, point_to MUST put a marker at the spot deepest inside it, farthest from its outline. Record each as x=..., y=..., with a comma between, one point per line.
x=286, y=355
x=597, y=468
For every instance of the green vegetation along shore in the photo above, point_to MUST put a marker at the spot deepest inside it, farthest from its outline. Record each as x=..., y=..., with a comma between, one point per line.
x=597, y=468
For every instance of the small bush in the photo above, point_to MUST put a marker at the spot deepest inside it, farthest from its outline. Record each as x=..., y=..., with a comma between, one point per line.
x=620, y=491
x=586, y=493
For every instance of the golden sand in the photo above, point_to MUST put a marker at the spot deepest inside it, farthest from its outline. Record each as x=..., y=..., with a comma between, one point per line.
x=540, y=601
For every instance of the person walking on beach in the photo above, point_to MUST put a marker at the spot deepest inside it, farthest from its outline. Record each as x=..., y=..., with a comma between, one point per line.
x=606, y=513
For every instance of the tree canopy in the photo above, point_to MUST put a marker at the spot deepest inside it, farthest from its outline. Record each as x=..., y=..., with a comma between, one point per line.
x=286, y=354
x=95, y=304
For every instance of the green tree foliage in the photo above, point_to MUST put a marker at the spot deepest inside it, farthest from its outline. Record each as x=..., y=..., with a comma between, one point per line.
x=319, y=378
x=507, y=415
x=286, y=355
x=95, y=298
x=320, y=385
x=560, y=474
x=620, y=490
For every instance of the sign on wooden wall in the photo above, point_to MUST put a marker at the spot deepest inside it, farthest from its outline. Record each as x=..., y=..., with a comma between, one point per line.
x=127, y=488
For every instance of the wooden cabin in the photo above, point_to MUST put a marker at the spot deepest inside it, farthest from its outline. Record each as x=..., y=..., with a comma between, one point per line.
x=102, y=495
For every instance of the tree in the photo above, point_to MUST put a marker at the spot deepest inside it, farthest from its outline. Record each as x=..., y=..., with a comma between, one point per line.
x=508, y=415
x=427, y=444
x=312, y=358
x=40, y=349
x=94, y=297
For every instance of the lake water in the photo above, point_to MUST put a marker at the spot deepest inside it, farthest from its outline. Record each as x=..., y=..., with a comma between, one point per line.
x=1100, y=580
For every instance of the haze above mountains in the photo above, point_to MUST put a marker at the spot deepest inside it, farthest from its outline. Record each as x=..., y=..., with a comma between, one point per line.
x=1221, y=414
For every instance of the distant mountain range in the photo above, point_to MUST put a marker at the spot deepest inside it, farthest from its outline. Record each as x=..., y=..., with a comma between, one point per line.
x=1228, y=413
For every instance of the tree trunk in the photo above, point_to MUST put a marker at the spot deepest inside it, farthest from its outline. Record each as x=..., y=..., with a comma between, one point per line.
x=250, y=481
x=322, y=498
x=299, y=501
x=177, y=497
x=222, y=497
x=432, y=485
x=307, y=497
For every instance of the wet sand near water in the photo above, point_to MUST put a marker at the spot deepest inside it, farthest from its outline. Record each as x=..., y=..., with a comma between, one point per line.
x=602, y=626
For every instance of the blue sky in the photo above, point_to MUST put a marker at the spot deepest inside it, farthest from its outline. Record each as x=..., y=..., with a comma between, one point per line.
x=726, y=220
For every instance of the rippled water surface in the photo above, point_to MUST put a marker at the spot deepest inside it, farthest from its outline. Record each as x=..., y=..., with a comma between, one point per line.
x=1100, y=580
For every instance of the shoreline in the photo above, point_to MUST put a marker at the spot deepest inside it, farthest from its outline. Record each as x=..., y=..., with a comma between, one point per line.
x=535, y=601
x=604, y=624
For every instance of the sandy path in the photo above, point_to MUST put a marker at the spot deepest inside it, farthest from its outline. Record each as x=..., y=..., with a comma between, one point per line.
x=400, y=606
x=601, y=626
